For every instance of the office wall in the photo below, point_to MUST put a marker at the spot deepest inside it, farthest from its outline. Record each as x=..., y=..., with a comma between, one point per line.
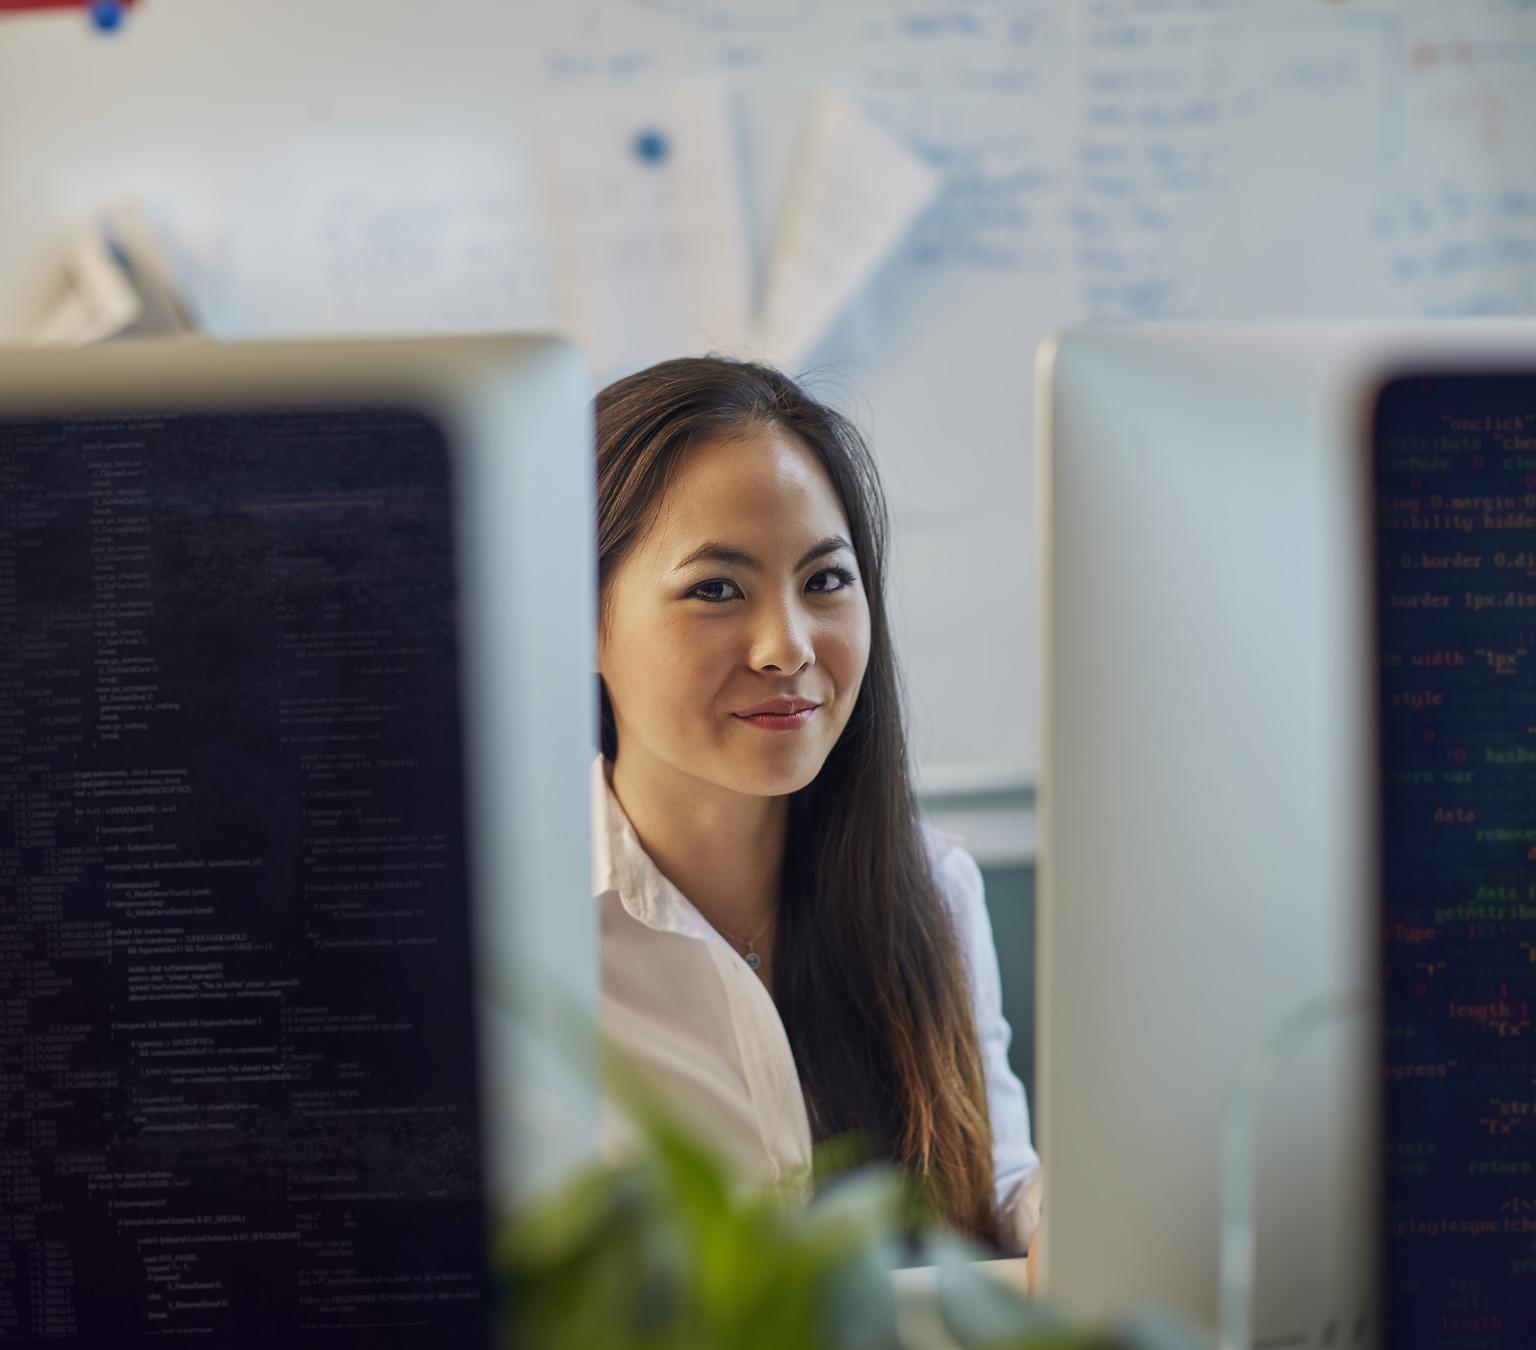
x=334, y=165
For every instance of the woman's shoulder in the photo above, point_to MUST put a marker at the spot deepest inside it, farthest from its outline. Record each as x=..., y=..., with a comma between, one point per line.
x=954, y=869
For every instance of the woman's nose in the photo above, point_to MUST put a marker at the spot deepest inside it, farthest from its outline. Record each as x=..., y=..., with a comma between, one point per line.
x=782, y=640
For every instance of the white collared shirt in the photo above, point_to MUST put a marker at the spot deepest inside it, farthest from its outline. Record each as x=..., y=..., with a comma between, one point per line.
x=680, y=1004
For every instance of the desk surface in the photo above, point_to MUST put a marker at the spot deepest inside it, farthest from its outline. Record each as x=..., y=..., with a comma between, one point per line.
x=920, y=1280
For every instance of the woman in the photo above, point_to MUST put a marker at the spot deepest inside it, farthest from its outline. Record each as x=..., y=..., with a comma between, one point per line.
x=787, y=953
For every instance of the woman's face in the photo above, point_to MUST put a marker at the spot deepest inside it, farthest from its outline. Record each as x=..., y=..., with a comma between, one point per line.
x=744, y=590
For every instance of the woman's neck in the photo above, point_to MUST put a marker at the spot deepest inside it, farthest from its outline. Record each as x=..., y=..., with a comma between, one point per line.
x=722, y=849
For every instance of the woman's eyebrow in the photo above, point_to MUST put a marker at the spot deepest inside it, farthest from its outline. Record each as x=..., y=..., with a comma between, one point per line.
x=735, y=556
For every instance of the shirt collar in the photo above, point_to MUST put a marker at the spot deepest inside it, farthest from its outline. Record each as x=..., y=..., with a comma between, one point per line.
x=621, y=865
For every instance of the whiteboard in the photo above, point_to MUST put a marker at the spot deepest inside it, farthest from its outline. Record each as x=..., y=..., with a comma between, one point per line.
x=340, y=166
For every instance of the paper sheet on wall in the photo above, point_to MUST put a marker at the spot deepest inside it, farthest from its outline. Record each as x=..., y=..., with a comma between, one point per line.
x=114, y=282
x=163, y=306
x=94, y=299
x=853, y=191
x=645, y=215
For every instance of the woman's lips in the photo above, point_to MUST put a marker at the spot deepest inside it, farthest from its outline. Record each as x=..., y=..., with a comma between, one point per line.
x=779, y=721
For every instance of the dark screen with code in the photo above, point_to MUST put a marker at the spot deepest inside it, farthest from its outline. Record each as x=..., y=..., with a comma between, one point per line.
x=1456, y=550
x=238, y=1092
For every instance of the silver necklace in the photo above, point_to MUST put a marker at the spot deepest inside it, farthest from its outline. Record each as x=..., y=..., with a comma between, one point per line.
x=752, y=958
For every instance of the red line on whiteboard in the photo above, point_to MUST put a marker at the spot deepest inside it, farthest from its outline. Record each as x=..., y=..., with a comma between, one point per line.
x=8, y=5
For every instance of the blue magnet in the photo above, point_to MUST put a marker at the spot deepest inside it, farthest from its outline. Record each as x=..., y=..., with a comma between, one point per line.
x=652, y=146
x=107, y=14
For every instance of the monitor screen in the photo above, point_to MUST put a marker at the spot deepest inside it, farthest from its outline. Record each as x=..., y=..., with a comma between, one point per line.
x=1455, y=479
x=238, y=1064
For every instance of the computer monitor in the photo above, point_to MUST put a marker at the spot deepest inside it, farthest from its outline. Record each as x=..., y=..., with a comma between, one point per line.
x=1220, y=824
x=295, y=724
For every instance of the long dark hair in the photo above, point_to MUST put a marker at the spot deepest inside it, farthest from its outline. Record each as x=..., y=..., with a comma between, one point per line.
x=869, y=979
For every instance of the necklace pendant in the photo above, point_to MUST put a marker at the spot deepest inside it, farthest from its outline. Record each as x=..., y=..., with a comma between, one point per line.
x=754, y=960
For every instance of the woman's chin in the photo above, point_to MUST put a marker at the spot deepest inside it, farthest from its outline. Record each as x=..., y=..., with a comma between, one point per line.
x=775, y=773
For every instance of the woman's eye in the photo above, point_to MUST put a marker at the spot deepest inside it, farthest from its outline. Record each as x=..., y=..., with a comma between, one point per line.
x=713, y=589
x=841, y=575
x=719, y=590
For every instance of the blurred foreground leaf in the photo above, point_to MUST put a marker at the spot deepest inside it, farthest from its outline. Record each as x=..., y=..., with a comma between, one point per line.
x=665, y=1251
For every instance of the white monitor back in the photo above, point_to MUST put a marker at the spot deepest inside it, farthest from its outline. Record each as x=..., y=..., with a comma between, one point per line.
x=1208, y=809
